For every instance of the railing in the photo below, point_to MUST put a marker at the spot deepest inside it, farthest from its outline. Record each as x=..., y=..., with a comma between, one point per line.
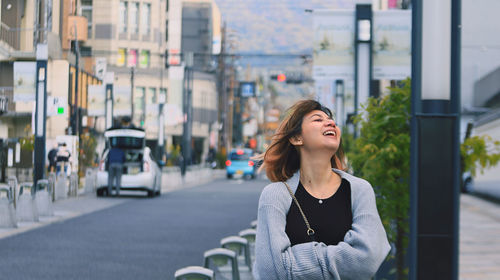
x=10, y=36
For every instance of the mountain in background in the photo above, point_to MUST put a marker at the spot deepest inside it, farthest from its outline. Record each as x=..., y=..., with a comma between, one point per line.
x=273, y=26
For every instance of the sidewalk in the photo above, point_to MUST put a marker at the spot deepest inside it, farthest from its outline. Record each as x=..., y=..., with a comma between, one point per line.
x=86, y=203
x=479, y=239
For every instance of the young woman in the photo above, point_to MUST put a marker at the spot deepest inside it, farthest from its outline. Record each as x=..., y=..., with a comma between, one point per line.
x=315, y=221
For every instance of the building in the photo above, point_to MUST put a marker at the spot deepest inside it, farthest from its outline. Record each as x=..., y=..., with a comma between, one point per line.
x=24, y=25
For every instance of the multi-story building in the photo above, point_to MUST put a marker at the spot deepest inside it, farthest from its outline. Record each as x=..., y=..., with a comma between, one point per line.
x=132, y=37
x=24, y=25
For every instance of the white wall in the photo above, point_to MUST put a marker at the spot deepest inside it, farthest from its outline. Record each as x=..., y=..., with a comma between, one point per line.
x=480, y=43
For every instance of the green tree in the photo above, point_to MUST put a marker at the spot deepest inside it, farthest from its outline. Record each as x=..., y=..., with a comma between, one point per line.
x=86, y=157
x=479, y=152
x=381, y=155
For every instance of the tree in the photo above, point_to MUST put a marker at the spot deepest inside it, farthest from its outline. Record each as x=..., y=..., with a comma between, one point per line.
x=479, y=152
x=381, y=155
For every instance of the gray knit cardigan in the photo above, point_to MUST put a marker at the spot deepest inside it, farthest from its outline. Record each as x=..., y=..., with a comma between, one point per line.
x=358, y=256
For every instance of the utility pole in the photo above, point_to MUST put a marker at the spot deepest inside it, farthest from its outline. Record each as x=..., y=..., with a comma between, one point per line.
x=41, y=111
x=75, y=114
x=161, y=123
x=132, y=94
x=187, y=108
x=222, y=93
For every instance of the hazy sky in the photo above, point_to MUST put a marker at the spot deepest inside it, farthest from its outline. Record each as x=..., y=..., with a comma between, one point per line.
x=273, y=26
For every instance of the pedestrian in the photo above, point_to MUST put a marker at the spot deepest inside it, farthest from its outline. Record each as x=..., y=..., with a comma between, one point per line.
x=315, y=221
x=52, y=157
x=62, y=158
x=116, y=158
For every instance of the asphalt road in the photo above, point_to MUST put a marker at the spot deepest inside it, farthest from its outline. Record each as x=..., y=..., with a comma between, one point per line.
x=140, y=239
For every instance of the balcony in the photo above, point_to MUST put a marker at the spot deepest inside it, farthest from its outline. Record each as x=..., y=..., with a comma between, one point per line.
x=10, y=36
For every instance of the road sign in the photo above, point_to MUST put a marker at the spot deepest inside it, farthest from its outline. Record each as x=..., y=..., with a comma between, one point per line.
x=56, y=105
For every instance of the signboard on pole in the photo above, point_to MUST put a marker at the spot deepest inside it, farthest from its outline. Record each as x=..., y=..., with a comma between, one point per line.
x=247, y=89
x=24, y=81
x=392, y=45
x=325, y=94
x=57, y=106
x=121, y=101
x=100, y=67
x=333, y=45
x=96, y=100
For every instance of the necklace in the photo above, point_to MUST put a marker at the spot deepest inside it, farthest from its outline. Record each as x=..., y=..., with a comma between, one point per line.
x=320, y=201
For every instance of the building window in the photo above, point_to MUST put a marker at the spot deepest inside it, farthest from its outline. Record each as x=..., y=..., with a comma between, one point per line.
x=122, y=57
x=167, y=6
x=166, y=30
x=123, y=17
x=139, y=100
x=162, y=98
x=87, y=13
x=134, y=17
x=146, y=18
x=151, y=98
x=144, y=59
x=132, y=58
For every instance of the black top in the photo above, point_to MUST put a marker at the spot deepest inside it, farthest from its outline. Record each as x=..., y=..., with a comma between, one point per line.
x=330, y=219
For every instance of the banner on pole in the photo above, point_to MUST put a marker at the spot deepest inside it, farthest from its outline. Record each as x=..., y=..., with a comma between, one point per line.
x=391, y=45
x=96, y=100
x=333, y=45
x=122, y=101
x=24, y=81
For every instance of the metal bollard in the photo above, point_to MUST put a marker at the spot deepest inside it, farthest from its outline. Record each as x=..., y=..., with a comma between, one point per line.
x=12, y=182
x=73, y=184
x=26, y=208
x=43, y=201
x=52, y=185
x=90, y=180
x=61, y=186
x=7, y=210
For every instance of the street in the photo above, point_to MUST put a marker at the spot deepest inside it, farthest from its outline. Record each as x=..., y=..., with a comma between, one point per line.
x=141, y=238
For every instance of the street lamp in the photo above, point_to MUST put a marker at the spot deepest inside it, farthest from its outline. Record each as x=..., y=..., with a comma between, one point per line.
x=339, y=101
x=363, y=55
x=435, y=154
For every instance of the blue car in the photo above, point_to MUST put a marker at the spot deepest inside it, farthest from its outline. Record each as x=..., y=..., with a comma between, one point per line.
x=238, y=162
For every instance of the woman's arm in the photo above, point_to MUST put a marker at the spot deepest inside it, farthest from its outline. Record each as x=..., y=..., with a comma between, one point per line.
x=358, y=257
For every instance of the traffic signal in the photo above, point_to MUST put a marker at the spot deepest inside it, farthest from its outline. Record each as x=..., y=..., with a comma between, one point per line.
x=279, y=77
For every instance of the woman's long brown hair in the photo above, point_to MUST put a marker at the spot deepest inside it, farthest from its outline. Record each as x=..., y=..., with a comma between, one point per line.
x=282, y=159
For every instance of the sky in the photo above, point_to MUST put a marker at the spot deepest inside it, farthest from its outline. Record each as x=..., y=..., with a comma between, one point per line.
x=273, y=26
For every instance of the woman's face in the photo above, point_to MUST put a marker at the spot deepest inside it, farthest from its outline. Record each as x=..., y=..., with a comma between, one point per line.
x=319, y=132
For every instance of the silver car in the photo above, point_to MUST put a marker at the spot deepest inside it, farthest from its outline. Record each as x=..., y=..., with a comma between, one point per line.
x=140, y=170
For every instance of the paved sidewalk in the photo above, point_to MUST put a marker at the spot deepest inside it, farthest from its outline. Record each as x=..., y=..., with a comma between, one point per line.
x=479, y=239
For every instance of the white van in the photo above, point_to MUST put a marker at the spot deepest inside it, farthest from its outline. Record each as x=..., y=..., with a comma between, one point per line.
x=140, y=170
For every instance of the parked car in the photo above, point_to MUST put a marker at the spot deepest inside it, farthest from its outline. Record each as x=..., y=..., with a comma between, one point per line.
x=140, y=171
x=239, y=163
x=467, y=183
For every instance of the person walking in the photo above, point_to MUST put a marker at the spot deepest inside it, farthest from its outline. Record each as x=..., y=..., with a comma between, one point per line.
x=315, y=220
x=52, y=157
x=62, y=159
x=116, y=158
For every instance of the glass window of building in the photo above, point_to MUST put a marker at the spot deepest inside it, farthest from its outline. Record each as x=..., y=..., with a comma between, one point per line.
x=162, y=97
x=151, y=96
x=122, y=57
x=144, y=59
x=132, y=58
x=87, y=13
x=123, y=17
x=139, y=100
x=146, y=19
x=134, y=17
